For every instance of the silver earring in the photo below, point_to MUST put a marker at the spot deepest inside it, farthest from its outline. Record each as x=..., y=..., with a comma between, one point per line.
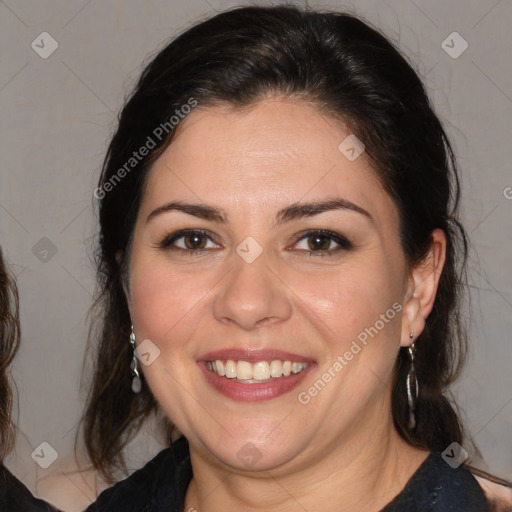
x=134, y=366
x=412, y=387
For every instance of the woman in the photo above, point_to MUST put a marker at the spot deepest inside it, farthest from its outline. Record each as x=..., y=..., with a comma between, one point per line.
x=14, y=496
x=280, y=263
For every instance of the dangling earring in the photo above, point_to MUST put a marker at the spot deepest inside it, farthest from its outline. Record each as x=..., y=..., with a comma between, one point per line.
x=412, y=387
x=134, y=366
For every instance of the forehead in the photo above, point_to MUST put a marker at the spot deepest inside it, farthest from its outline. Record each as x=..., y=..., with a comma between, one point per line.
x=274, y=153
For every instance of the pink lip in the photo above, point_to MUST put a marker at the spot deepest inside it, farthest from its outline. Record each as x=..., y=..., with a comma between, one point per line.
x=253, y=392
x=253, y=356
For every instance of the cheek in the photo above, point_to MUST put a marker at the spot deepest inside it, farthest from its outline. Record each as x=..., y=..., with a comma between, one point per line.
x=167, y=309
x=164, y=300
x=349, y=300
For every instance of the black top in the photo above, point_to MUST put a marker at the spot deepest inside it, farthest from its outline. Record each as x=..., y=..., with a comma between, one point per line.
x=15, y=497
x=161, y=485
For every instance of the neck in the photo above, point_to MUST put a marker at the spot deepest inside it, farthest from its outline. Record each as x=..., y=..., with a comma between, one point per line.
x=365, y=471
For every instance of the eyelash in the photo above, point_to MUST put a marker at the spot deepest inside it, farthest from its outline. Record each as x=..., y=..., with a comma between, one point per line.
x=343, y=243
x=167, y=242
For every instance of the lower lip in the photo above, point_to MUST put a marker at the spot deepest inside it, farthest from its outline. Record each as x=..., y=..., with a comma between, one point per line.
x=254, y=392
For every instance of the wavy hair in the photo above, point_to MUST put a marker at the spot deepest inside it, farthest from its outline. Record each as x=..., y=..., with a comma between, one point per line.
x=9, y=343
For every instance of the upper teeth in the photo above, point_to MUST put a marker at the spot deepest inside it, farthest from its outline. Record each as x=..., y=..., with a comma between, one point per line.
x=262, y=370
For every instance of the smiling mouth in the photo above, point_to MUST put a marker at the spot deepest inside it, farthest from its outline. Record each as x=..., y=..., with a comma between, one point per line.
x=261, y=371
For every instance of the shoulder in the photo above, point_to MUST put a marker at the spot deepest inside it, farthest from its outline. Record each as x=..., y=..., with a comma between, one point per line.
x=455, y=487
x=438, y=486
x=498, y=495
x=15, y=497
x=158, y=481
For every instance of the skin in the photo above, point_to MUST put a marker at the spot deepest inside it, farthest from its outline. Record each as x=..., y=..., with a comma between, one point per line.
x=341, y=451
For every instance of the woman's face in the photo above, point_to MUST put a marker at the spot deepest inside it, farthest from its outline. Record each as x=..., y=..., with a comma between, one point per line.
x=290, y=254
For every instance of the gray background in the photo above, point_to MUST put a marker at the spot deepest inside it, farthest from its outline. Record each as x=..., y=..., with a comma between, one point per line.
x=58, y=113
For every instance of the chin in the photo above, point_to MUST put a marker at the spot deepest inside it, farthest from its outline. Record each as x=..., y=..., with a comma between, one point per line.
x=248, y=454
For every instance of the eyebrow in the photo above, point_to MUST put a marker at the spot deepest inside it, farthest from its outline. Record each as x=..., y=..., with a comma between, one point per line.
x=287, y=214
x=300, y=210
x=201, y=211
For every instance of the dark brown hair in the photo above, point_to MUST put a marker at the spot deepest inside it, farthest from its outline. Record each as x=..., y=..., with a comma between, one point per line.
x=9, y=343
x=355, y=74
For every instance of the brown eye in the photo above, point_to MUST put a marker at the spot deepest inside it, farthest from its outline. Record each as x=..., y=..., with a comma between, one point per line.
x=189, y=241
x=319, y=243
x=195, y=241
x=322, y=243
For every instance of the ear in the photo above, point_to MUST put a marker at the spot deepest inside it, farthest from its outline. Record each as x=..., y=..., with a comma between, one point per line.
x=421, y=290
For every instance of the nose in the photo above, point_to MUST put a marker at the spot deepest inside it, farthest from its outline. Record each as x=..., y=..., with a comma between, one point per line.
x=252, y=296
